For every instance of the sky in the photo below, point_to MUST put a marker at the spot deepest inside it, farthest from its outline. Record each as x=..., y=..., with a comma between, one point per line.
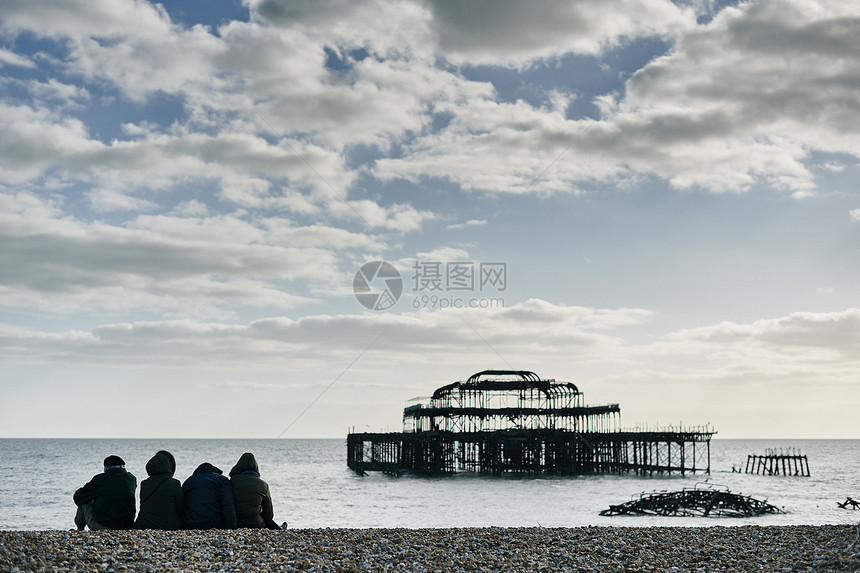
x=657, y=201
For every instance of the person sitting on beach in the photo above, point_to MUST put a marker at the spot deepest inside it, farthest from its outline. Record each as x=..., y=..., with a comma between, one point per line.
x=253, y=500
x=161, y=502
x=208, y=499
x=107, y=500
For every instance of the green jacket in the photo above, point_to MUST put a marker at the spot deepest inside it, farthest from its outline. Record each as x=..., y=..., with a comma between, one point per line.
x=253, y=500
x=112, y=495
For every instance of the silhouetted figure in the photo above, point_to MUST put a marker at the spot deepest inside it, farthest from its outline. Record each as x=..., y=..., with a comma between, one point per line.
x=208, y=499
x=161, y=500
x=107, y=500
x=253, y=500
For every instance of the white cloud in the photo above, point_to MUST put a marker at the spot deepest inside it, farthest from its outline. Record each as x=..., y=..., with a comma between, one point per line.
x=33, y=141
x=192, y=208
x=855, y=215
x=501, y=147
x=468, y=224
x=101, y=18
x=10, y=58
x=443, y=254
x=109, y=200
x=396, y=217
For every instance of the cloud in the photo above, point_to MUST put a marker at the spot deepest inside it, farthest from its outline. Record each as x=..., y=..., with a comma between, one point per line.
x=179, y=263
x=10, y=58
x=242, y=386
x=108, y=200
x=761, y=361
x=501, y=147
x=32, y=141
x=468, y=224
x=100, y=18
x=443, y=254
x=735, y=103
x=745, y=97
x=730, y=106
x=513, y=33
x=534, y=327
x=380, y=359
x=855, y=215
x=797, y=332
x=761, y=358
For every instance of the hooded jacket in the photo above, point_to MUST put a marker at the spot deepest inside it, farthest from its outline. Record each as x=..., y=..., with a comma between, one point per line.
x=208, y=499
x=161, y=500
x=112, y=496
x=253, y=501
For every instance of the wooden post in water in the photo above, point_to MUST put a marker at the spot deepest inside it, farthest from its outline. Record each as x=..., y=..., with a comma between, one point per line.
x=776, y=463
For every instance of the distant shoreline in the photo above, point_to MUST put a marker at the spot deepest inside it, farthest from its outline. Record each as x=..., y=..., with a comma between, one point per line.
x=730, y=548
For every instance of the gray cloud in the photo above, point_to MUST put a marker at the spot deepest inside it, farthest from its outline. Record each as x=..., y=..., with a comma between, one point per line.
x=510, y=32
x=736, y=102
x=535, y=326
x=54, y=262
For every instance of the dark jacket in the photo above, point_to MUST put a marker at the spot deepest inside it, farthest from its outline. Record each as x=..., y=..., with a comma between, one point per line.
x=253, y=501
x=112, y=496
x=161, y=502
x=208, y=499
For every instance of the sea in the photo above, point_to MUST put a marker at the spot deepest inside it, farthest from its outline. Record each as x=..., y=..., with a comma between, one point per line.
x=312, y=487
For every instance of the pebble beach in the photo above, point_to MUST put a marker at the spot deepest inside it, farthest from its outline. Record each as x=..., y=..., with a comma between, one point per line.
x=676, y=549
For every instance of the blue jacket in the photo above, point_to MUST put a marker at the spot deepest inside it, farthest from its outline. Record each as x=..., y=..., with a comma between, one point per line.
x=208, y=499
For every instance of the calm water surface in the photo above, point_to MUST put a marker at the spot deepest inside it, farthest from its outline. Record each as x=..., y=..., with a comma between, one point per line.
x=312, y=487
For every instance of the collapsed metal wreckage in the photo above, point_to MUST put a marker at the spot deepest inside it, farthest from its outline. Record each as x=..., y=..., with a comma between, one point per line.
x=514, y=421
x=702, y=501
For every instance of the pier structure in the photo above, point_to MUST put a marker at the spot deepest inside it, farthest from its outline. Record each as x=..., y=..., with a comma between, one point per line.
x=778, y=462
x=513, y=421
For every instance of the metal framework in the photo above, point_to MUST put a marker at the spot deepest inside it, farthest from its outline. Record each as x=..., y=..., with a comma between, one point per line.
x=513, y=421
x=508, y=400
x=704, y=500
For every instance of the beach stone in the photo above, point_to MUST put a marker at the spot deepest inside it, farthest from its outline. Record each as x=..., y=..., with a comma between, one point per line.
x=677, y=549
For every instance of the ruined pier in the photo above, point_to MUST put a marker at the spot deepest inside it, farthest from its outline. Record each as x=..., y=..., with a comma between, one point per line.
x=776, y=462
x=513, y=421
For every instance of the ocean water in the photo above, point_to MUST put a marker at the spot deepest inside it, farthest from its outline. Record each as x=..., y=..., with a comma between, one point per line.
x=312, y=487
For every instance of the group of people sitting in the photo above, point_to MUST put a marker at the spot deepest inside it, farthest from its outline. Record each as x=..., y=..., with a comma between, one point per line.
x=206, y=500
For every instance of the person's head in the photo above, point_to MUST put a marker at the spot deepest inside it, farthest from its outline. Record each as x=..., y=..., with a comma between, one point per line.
x=172, y=459
x=246, y=463
x=114, y=462
x=161, y=463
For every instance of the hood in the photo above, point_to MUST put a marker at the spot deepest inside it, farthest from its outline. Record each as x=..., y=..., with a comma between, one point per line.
x=207, y=468
x=172, y=460
x=246, y=462
x=160, y=464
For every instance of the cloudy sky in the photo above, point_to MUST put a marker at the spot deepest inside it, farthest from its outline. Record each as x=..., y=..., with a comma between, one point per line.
x=655, y=200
